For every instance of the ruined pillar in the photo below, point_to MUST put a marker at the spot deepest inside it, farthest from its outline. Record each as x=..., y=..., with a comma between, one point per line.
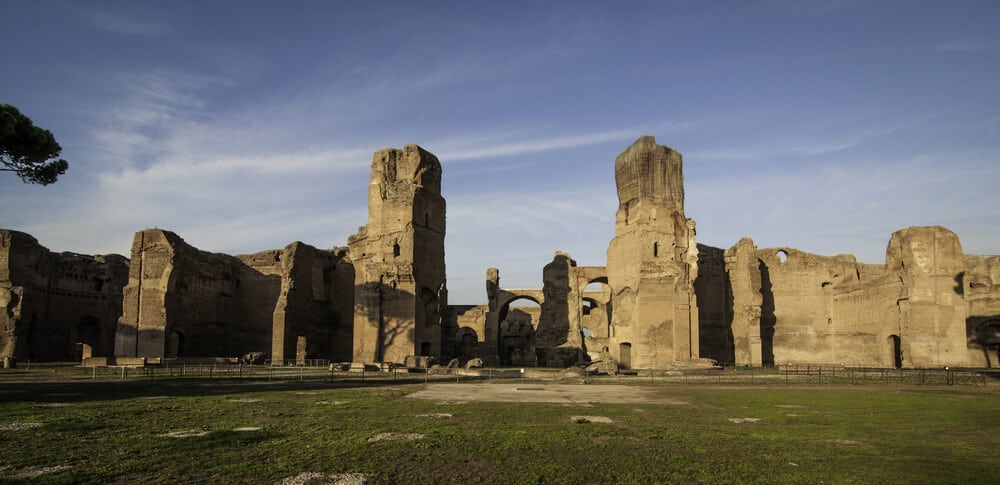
x=400, y=289
x=558, y=340
x=743, y=270
x=652, y=260
x=932, y=328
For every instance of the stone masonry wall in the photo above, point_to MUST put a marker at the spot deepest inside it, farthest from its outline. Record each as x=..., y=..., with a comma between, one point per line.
x=51, y=302
x=182, y=302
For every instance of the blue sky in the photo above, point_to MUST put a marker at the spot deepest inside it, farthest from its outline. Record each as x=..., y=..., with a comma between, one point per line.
x=243, y=126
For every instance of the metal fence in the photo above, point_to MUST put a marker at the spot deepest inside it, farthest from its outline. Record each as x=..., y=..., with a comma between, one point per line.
x=317, y=371
x=818, y=375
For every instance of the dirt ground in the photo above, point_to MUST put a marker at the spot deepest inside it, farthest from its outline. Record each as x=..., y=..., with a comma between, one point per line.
x=548, y=393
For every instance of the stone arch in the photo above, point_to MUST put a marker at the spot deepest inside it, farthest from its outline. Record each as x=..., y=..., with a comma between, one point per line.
x=596, y=307
x=515, y=331
x=466, y=340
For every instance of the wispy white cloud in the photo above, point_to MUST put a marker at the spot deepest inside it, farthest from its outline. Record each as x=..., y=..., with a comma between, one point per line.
x=124, y=24
x=967, y=46
x=474, y=146
x=810, y=144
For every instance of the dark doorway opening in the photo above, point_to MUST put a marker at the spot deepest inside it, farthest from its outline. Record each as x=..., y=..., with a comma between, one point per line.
x=175, y=345
x=895, y=345
x=625, y=355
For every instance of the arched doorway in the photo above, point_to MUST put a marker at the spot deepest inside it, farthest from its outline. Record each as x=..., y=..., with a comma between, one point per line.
x=465, y=343
x=518, y=322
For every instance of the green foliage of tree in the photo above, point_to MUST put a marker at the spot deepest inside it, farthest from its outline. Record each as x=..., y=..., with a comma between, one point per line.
x=27, y=150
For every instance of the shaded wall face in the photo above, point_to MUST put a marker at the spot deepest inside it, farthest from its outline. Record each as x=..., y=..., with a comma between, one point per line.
x=190, y=303
x=714, y=306
x=257, y=291
x=51, y=302
x=306, y=321
x=982, y=293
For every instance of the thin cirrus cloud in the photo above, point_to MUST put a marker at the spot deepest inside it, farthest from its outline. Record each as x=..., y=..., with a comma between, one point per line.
x=119, y=23
x=967, y=46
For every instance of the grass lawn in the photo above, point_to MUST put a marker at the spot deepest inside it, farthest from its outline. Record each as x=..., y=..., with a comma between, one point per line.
x=235, y=431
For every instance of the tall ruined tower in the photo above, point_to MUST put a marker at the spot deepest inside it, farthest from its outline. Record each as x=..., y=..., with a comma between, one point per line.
x=399, y=286
x=652, y=260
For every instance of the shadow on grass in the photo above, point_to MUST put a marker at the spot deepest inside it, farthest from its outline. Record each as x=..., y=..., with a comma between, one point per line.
x=50, y=392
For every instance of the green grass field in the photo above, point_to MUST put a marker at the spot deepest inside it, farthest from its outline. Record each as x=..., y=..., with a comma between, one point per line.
x=260, y=432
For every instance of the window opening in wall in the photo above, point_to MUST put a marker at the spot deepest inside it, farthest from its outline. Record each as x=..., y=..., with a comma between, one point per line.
x=427, y=219
x=395, y=250
x=425, y=348
x=782, y=255
x=656, y=249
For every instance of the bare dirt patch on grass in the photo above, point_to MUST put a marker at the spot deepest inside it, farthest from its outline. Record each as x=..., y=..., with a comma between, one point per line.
x=590, y=419
x=331, y=403
x=37, y=471
x=435, y=416
x=189, y=433
x=846, y=442
x=55, y=405
x=573, y=394
x=247, y=400
x=18, y=426
x=743, y=420
x=314, y=478
x=248, y=428
x=395, y=437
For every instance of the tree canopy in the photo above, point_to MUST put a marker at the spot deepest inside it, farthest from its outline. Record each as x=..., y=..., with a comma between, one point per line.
x=28, y=150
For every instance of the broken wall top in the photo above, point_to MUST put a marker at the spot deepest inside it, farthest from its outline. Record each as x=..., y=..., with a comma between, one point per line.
x=925, y=251
x=24, y=261
x=646, y=171
x=410, y=167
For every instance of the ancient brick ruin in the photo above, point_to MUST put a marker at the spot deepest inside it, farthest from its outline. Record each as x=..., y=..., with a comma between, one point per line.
x=661, y=301
x=57, y=306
